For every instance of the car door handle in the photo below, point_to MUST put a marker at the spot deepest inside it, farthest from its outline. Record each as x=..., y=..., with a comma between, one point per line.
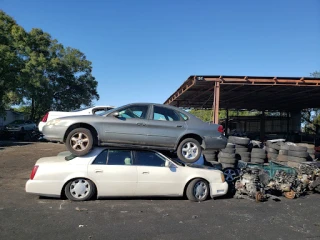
x=145, y=172
x=98, y=171
x=179, y=126
x=141, y=124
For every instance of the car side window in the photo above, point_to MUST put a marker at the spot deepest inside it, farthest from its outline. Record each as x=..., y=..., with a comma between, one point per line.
x=147, y=158
x=184, y=117
x=101, y=159
x=138, y=111
x=165, y=114
x=119, y=157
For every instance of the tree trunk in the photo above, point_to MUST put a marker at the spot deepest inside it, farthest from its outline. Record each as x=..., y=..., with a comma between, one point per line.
x=32, y=109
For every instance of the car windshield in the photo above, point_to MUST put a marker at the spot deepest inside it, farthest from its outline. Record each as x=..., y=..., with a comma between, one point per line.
x=17, y=122
x=178, y=162
x=81, y=109
x=102, y=113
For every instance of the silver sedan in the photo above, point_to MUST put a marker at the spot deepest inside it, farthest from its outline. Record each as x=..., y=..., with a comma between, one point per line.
x=142, y=125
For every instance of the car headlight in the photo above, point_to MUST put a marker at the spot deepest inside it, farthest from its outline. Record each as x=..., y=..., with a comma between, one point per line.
x=53, y=122
x=222, y=177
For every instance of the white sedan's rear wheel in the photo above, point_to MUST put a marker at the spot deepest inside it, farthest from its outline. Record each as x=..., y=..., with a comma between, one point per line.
x=80, y=189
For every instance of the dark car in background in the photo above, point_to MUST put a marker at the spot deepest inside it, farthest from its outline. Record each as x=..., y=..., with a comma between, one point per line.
x=143, y=125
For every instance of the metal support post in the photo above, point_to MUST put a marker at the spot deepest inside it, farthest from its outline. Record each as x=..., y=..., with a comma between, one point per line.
x=216, y=101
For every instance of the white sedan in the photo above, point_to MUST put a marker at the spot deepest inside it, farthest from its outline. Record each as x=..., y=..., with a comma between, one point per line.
x=58, y=114
x=123, y=172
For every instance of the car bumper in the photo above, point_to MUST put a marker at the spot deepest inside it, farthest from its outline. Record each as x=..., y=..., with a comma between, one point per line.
x=41, y=125
x=218, y=189
x=54, y=133
x=215, y=142
x=44, y=188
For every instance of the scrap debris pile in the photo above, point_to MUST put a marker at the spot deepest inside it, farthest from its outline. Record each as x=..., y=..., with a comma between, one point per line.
x=261, y=171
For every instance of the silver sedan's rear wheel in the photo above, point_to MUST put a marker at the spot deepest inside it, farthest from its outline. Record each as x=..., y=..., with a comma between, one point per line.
x=198, y=190
x=79, y=141
x=189, y=150
x=80, y=189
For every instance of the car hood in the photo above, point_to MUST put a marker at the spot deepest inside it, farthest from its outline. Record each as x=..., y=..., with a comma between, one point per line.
x=200, y=166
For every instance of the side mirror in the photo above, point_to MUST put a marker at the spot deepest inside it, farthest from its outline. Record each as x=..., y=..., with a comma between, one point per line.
x=169, y=164
x=115, y=114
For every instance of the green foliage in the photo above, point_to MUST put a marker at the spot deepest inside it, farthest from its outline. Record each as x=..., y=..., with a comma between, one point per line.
x=207, y=115
x=41, y=74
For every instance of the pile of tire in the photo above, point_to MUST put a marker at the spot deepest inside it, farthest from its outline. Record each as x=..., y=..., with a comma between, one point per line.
x=258, y=155
x=283, y=152
x=310, y=150
x=241, y=148
x=298, y=154
x=272, y=150
x=227, y=156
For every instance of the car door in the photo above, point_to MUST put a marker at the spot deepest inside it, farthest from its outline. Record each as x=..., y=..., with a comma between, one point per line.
x=113, y=173
x=164, y=127
x=128, y=127
x=155, y=178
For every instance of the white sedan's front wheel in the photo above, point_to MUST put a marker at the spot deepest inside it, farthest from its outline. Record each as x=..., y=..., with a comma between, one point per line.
x=80, y=189
x=198, y=190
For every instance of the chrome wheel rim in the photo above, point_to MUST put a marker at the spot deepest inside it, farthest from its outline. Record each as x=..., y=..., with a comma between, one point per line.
x=229, y=174
x=79, y=188
x=190, y=150
x=200, y=190
x=79, y=141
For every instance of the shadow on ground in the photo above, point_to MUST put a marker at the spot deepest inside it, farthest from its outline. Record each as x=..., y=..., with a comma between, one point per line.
x=9, y=143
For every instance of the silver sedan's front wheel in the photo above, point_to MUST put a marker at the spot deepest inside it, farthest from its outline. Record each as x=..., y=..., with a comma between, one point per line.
x=80, y=189
x=189, y=150
x=79, y=141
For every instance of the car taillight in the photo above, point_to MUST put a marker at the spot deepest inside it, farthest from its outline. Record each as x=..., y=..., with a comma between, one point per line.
x=220, y=129
x=34, y=171
x=45, y=117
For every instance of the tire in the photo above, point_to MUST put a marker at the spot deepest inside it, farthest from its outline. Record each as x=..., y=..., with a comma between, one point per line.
x=257, y=160
x=258, y=155
x=227, y=165
x=258, y=150
x=296, y=159
x=271, y=150
x=239, y=150
x=73, y=193
x=244, y=154
x=228, y=150
x=297, y=148
x=189, y=150
x=298, y=154
x=282, y=158
x=79, y=134
x=210, y=157
x=272, y=156
x=230, y=174
x=227, y=155
x=311, y=151
x=241, y=146
x=245, y=159
x=239, y=140
x=284, y=147
x=227, y=160
x=198, y=190
x=230, y=145
x=283, y=152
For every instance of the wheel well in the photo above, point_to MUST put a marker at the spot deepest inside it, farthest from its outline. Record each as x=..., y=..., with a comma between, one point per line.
x=83, y=125
x=63, y=195
x=194, y=136
x=186, y=186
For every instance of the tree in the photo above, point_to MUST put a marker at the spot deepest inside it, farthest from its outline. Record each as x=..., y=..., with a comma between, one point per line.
x=12, y=40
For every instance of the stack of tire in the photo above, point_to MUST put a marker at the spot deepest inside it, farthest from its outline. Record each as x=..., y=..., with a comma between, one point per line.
x=210, y=156
x=310, y=150
x=298, y=154
x=273, y=150
x=258, y=155
x=227, y=156
x=283, y=152
x=241, y=148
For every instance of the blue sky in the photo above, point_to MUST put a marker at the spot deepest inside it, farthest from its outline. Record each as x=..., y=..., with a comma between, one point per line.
x=143, y=50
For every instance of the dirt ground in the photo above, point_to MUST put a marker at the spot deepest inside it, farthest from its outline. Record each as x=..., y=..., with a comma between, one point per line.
x=17, y=160
x=26, y=216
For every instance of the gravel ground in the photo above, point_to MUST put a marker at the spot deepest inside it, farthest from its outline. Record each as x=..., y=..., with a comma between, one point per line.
x=26, y=216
